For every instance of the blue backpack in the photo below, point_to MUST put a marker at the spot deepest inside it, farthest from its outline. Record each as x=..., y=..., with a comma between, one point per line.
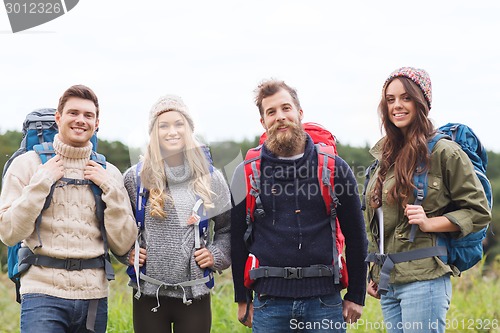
x=201, y=229
x=39, y=129
x=467, y=251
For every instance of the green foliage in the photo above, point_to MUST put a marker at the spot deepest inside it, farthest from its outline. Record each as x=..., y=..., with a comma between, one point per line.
x=228, y=154
x=358, y=158
x=493, y=171
x=116, y=153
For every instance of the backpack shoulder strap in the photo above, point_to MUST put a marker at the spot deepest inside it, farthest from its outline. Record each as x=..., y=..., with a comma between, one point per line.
x=99, y=158
x=368, y=174
x=100, y=206
x=326, y=174
x=96, y=190
x=208, y=155
x=252, y=180
x=420, y=180
x=420, y=176
x=45, y=150
x=141, y=198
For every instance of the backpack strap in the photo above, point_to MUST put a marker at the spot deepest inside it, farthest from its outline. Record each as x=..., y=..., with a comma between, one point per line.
x=252, y=179
x=420, y=181
x=201, y=232
x=99, y=211
x=387, y=261
x=45, y=151
x=141, y=199
x=208, y=156
x=142, y=195
x=368, y=174
x=326, y=174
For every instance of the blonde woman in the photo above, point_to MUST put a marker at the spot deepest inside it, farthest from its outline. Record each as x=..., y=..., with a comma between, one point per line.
x=173, y=294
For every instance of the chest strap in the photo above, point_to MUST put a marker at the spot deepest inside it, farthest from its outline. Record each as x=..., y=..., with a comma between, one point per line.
x=292, y=272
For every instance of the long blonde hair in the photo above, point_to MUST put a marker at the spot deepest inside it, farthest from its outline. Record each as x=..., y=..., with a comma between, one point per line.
x=155, y=179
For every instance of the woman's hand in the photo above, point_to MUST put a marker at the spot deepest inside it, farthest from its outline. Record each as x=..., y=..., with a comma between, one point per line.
x=142, y=257
x=372, y=289
x=204, y=258
x=416, y=215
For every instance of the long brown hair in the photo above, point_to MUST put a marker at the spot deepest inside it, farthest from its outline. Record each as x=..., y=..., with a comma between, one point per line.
x=406, y=153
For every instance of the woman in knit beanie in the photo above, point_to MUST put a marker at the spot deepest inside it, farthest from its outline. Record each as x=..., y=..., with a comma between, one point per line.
x=176, y=258
x=415, y=292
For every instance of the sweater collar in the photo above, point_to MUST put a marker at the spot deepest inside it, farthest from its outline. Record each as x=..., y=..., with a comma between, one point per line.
x=178, y=174
x=71, y=152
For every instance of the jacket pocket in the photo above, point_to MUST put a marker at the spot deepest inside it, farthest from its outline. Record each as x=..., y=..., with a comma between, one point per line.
x=435, y=198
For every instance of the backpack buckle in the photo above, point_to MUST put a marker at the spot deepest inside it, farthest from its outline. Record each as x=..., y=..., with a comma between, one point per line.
x=293, y=273
x=260, y=212
x=420, y=194
x=73, y=265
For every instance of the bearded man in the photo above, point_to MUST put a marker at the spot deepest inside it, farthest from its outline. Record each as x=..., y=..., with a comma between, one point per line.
x=293, y=233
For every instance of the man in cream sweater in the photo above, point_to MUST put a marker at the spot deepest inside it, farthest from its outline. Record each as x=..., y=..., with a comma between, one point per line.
x=60, y=299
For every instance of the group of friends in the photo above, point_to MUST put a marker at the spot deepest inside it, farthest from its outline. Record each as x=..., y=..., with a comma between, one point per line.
x=172, y=260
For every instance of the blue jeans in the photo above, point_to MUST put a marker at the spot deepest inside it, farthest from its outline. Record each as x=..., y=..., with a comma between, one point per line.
x=311, y=314
x=47, y=314
x=417, y=307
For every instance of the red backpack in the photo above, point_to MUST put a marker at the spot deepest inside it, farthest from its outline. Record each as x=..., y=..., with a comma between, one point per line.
x=325, y=145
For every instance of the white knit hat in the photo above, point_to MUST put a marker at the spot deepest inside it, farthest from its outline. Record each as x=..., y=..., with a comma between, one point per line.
x=169, y=103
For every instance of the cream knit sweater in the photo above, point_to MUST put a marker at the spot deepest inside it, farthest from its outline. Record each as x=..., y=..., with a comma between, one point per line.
x=69, y=227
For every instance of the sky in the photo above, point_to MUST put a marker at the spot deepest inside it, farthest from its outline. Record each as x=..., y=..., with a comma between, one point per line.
x=213, y=54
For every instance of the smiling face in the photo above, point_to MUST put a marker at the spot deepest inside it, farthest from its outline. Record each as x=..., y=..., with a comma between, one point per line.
x=279, y=109
x=77, y=121
x=402, y=109
x=171, y=132
x=282, y=121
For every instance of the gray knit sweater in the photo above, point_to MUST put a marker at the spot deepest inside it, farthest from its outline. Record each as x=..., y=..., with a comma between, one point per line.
x=170, y=242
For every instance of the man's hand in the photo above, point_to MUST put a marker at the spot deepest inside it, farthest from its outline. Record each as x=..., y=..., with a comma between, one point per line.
x=242, y=309
x=53, y=167
x=351, y=311
x=95, y=172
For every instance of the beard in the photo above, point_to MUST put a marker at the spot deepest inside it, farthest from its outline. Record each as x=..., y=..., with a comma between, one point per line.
x=285, y=144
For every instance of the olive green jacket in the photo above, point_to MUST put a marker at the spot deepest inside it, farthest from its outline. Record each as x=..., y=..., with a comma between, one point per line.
x=453, y=191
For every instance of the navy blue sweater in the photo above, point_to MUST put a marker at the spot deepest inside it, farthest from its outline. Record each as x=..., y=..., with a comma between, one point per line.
x=283, y=238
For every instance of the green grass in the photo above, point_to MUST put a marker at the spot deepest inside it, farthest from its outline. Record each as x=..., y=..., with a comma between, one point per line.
x=475, y=305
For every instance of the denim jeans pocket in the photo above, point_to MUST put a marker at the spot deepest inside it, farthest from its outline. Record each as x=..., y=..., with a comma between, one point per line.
x=261, y=302
x=330, y=301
